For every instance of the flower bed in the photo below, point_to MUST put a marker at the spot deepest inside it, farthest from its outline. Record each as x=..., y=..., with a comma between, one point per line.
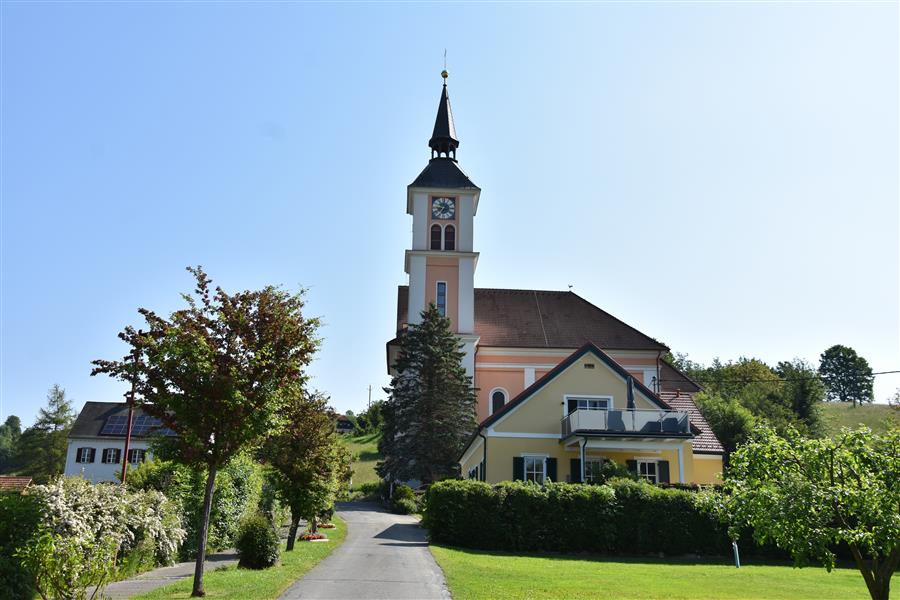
x=307, y=537
x=326, y=526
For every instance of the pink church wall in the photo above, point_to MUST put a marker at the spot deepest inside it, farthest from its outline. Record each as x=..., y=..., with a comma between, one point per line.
x=486, y=380
x=443, y=269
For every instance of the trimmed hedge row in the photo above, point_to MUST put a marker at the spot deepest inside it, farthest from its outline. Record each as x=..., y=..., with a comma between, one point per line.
x=622, y=517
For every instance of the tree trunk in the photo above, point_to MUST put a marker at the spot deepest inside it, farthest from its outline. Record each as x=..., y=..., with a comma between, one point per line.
x=292, y=532
x=878, y=580
x=313, y=525
x=204, y=531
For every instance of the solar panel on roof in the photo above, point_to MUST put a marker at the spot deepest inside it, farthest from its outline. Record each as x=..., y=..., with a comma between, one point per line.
x=115, y=425
x=141, y=425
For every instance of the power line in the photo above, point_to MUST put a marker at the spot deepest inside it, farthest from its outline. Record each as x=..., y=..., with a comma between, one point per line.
x=773, y=379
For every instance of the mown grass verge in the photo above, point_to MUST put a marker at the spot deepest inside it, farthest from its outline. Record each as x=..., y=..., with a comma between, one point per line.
x=365, y=449
x=232, y=583
x=477, y=574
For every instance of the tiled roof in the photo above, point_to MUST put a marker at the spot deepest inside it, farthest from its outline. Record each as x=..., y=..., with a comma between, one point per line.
x=543, y=319
x=705, y=442
x=93, y=416
x=673, y=380
x=13, y=484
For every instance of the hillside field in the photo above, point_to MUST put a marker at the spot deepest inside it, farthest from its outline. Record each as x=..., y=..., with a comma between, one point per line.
x=842, y=414
x=365, y=452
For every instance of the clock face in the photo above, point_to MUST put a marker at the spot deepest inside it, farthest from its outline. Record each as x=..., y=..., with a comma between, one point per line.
x=443, y=208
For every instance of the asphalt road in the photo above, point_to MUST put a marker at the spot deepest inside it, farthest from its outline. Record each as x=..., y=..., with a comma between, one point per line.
x=384, y=556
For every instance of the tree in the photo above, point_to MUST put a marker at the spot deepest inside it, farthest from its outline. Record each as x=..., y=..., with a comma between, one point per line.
x=803, y=390
x=729, y=420
x=10, y=432
x=431, y=409
x=41, y=449
x=371, y=420
x=848, y=376
x=306, y=459
x=808, y=495
x=216, y=374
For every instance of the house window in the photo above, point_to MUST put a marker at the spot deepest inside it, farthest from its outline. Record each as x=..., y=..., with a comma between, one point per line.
x=593, y=404
x=442, y=298
x=647, y=470
x=136, y=455
x=449, y=237
x=111, y=456
x=85, y=455
x=592, y=469
x=435, y=237
x=535, y=469
x=498, y=399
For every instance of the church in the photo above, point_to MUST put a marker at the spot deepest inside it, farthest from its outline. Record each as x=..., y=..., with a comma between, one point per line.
x=562, y=385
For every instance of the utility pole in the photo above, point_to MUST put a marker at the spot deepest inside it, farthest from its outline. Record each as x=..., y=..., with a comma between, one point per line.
x=130, y=401
x=370, y=397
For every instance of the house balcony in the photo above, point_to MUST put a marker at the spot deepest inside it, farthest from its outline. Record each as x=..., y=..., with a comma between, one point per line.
x=628, y=423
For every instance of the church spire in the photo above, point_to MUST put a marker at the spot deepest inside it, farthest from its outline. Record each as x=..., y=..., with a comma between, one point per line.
x=443, y=139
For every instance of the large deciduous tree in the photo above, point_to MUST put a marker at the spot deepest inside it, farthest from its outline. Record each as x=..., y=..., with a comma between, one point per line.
x=308, y=461
x=848, y=376
x=431, y=408
x=808, y=495
x=41, y=449
x=215, y=373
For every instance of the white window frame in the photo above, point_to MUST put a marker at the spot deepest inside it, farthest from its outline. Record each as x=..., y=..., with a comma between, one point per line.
x=646, y=476
x=82, y=454
x=540, y=459
x=143, y=456
x=610, y=404
x=491, y=398
x=113, y=451
x=437, y=287
x=588, y=478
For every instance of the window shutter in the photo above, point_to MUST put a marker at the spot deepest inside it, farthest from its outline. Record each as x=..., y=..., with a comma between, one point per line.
x=518, y=468
x=482, y=478
x=551, y=469
x=662, y=471
x=575, y=468
x=632, y=466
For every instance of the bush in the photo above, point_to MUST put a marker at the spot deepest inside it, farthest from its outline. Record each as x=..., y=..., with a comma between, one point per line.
x=238, y=493
x=257, y=543
x=625, y=516
x=403, y=501
x=19, y=518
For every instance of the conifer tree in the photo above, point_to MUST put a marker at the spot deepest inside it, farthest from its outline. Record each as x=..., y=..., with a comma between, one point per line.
x=41, y=449
x=430, y=411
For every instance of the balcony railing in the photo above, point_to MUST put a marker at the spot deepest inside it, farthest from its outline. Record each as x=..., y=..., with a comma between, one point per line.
x=641, y=422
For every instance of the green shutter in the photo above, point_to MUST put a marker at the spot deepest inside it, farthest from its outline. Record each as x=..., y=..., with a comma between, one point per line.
x=632, y=466
x=575, y=468
x=518, y=468
x=551, y=469
x=662, y=471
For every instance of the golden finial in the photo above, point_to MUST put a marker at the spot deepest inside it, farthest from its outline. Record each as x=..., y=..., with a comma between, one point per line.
x=444, y=74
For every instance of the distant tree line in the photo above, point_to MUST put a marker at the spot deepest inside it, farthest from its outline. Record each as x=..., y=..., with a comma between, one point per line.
x=40, y=450
x=737, y=395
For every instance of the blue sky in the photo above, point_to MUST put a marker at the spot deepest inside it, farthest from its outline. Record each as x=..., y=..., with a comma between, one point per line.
x=724, y=177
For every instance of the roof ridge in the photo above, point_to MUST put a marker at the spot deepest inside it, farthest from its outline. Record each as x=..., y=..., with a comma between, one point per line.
x=523, y=290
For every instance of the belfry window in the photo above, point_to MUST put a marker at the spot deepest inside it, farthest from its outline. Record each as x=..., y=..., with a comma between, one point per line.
x=435, y=237
x=449, y=237
x=442, y=298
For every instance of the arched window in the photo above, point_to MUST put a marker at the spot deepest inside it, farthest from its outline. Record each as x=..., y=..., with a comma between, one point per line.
x=435, y=237
x=498, y=399
x=449, y=237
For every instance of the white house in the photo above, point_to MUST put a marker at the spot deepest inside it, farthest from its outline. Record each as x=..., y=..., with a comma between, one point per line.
x=97, y=440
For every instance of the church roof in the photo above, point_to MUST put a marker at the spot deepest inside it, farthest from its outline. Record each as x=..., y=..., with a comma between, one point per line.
x=443, y=172
x=542, y=319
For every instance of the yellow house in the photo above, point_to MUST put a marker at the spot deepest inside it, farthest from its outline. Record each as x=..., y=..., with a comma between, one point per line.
x=586, y=410
x=521, y=347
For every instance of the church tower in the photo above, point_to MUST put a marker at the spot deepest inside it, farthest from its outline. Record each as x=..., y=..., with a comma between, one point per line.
x=441, y=264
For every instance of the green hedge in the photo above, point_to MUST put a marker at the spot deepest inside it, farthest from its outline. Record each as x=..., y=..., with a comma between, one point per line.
x=622, y=517
x=19, y=517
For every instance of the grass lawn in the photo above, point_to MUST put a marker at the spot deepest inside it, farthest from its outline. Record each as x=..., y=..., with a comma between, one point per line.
x=365, y=449
x=240, y=584
x=476, y=574
x=842, y=414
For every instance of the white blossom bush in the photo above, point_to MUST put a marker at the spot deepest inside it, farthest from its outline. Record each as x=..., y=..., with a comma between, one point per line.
x=86, y=530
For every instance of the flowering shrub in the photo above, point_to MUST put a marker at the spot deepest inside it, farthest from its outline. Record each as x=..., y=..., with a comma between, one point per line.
x=86, y=530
